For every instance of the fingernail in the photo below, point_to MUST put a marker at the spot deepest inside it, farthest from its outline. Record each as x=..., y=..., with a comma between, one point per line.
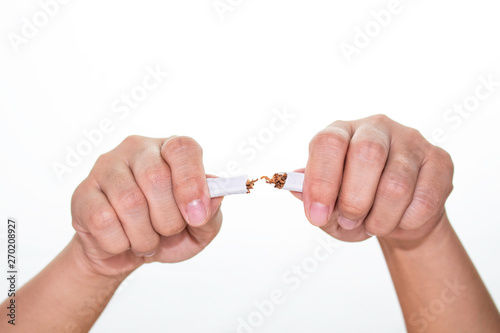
x=318, y=214
x=150, y=254
x=346, y=223
x=369, y=234
x=196, y=213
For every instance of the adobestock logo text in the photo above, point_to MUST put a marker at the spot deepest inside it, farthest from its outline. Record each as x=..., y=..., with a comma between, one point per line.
x=455, y=116
x=292, y=279
x=363, y=36
x=31, y=27
x=121, y=107
x=249, y=148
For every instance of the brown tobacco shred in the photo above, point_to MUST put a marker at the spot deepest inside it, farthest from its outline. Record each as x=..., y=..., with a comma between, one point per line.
x=250, y=184
x=278, y=180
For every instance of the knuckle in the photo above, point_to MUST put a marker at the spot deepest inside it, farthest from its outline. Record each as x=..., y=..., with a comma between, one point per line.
x=116, y=246
x=425, y=204
x=418, y=152
x=370, y=151
x=147, y=245
x=377, y=227
x=103, y=160
x=445, y=158
x=394, y=187
x=445, y=163
x=132, y=200
x=398, y=183
x=180, y=144
x=169, y=228
x=412, y=220
x=102, y=220
x=380, y=118
x=133, y=140
x=339, y=123
x=157, y=177
x=353, y=206
x=329, y=139
x=414, y=135
x=418, y=143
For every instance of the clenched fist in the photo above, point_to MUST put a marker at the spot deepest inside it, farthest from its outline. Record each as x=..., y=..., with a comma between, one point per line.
x=146, y=200
x=374, y=176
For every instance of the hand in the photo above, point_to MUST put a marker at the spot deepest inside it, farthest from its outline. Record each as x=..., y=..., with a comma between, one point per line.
x=146, y=200
x=374, y=176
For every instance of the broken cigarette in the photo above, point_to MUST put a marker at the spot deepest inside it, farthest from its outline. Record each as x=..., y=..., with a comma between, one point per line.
x=220, y=187
x=290, y=181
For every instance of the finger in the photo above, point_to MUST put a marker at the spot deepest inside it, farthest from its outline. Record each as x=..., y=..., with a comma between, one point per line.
x=395, y=190
x=128, y=200
x=93, y=215
x=323, y=173
x=203, y=235
x=185, y=159
x=154, y=178
x=434, y=185
x=365, y=161
x=334, y=229
x=191, y=240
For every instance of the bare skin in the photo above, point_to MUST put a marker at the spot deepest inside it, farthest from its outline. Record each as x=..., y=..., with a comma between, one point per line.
x=375, y=177
x=147, y=200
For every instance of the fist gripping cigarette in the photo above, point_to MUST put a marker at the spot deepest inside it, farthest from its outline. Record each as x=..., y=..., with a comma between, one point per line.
x=219, y=187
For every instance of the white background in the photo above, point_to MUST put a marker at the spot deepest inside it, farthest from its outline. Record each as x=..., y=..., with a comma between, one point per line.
x=226, y=77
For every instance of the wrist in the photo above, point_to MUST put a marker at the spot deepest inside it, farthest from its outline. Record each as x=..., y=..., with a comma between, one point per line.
x=429, y=236
x=85, y=268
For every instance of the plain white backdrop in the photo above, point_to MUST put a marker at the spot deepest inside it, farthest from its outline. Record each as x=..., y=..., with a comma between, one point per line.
x=231, y=68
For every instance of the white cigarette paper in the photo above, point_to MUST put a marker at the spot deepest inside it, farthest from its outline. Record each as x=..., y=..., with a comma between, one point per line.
x=220, y=187
x=294, y=181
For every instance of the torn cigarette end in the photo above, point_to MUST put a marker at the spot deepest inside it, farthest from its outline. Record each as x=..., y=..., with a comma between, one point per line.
x=250, y=183
x=278, y=180
x=220, y=187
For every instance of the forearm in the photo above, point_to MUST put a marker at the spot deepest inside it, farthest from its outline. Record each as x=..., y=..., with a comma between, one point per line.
x=437, y=285
x=65, y=297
